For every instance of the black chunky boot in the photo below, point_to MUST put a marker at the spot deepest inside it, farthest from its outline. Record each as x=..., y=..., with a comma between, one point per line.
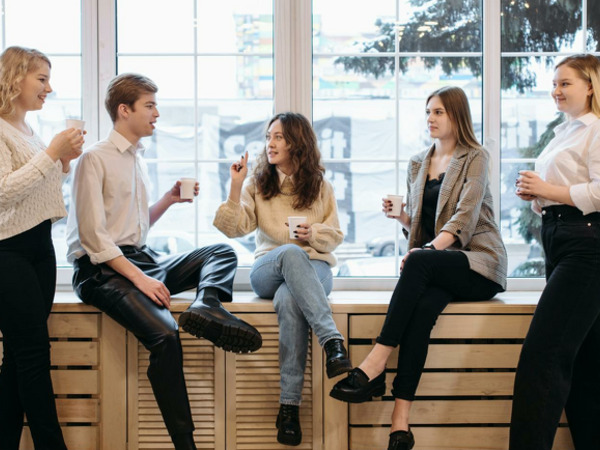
x=288, y=424
x=337, y=358
x=206, y=318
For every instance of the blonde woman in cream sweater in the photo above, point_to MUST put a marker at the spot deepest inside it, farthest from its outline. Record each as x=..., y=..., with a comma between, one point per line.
x=30, y=200
x=296, y=273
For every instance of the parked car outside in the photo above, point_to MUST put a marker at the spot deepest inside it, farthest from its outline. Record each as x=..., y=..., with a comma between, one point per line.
x=384, y=246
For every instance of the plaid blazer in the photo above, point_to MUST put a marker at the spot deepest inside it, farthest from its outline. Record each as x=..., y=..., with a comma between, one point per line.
x=464, y=208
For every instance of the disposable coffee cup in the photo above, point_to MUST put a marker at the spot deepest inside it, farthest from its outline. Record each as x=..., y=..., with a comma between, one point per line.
x=186, y=190
x=396, y=205
x=75, y=123
x=293, y=222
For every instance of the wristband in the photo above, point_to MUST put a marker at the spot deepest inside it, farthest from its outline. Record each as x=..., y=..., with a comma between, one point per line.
x=429, y=245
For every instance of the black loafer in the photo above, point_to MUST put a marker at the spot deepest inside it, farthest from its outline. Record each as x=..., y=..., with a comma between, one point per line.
x=401, y=440
x=357, y=388
x=337, y=358
x=220, y=327
x=288, y=425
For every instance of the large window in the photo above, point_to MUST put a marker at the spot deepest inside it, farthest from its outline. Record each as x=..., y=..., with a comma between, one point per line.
x=213, y=63
x=361, y=70
x=372, y=73
x=535, y=36
x=25, y=23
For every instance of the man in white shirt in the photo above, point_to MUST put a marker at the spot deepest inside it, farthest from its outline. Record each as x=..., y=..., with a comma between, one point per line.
x=107, y=226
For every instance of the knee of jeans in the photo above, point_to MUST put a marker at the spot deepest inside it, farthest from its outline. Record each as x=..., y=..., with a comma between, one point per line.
x=292, y=254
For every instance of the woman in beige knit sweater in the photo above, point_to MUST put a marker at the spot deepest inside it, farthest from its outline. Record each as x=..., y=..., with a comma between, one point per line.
x=296, y=273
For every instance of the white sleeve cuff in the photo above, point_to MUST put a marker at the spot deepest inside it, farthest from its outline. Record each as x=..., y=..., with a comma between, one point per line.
x=582, y=199
x=106, y=255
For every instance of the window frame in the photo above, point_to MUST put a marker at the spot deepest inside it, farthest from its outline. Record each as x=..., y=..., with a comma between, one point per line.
x=292, y=28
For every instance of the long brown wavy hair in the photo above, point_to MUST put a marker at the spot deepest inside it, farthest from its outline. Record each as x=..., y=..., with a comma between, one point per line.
x=305, y=160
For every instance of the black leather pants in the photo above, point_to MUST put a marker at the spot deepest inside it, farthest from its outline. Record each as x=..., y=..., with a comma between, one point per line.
x=208, y=267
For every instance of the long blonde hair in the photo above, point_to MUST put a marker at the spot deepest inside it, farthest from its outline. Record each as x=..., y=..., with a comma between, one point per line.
x=588, y=69
x=15, y=64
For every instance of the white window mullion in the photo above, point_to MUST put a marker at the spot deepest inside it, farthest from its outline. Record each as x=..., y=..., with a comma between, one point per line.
x=89, y=65
x=492, y=93
x=107, y=58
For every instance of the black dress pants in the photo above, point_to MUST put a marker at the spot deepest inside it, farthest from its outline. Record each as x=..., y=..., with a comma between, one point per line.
x=27, y=285
x=559, y=366
x=429, y=281
x=208, y=267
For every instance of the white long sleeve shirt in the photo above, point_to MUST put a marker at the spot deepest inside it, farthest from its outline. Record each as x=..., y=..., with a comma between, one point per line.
x=572, y=159
x=30, y=182
x=110, y=201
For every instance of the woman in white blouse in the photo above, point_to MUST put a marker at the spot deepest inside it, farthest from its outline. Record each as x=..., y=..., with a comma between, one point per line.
x=30, y=199
x=560, y=360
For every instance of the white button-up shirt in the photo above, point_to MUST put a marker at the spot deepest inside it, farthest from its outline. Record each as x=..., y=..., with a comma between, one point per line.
x=110, y=200
x=572, y=159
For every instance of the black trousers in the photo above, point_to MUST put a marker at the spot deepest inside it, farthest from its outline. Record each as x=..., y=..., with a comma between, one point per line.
x=559, y=365
x=27, y=285
x=154, y=326
x=429, y=281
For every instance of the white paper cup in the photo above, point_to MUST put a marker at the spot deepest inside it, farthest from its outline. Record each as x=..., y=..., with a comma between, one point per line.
x=186, y=190
x=293, y=222
x=75, y=123
x=396, y=205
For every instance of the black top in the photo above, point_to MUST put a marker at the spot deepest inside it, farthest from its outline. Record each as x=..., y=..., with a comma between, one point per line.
x=430, y=198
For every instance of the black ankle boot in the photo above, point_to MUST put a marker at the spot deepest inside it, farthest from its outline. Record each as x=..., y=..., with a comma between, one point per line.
x=288, y=424
x=401, y=440
x=183, y=441
x=337, y=358
x=206, y=318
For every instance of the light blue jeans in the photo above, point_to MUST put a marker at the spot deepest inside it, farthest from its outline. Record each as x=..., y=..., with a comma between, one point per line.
x=299, y=287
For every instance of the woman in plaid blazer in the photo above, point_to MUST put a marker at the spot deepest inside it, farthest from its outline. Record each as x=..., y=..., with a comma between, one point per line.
x=456, y=253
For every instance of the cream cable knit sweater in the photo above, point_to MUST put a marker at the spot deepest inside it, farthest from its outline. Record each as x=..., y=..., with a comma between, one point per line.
x=30, y=182
x=268, y=217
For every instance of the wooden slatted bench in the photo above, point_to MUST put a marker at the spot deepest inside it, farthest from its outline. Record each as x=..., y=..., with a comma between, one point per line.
x=463, y=401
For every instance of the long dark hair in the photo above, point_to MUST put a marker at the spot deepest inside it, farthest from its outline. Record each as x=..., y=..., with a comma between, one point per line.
x=305, y=160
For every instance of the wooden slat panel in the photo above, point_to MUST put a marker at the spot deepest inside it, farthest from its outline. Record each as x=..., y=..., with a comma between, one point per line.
x=452, y=326
x=462, y=383
x=74, y=325
x=462, y=438
x=75, y=381
x=78, y=410
x=76, y=438
x=65, y=353
x=253, y=407
x=199, y=358
x=434, y=412
x=455, y=356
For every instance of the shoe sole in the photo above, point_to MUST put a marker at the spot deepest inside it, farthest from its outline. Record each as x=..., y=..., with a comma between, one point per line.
x=229, y=337
x=288, y=440
x=377, y=391
x=338, y=368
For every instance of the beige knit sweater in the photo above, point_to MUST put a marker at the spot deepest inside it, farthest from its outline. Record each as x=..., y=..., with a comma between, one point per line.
x=30, y=182
x=269, y=218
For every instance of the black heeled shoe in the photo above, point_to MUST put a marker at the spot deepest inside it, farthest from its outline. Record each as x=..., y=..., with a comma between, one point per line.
x=337, y=358
x=288, y=425
x=401, y=440
x=357, y=388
